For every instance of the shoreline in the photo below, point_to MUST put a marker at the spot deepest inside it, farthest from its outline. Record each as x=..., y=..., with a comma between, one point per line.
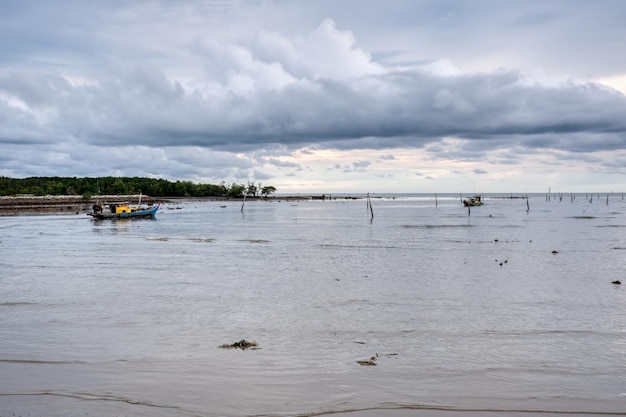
x=74, y=204
x=16, y=205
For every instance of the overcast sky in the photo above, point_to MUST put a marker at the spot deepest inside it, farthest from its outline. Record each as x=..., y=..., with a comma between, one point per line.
x=329, y=96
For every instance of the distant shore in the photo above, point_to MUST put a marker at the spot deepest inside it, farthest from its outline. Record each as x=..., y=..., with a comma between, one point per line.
x=63, y=202
x=15, y=205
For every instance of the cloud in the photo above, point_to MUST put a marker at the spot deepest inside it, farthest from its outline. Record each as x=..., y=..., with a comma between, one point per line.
x=214, y=93
x=143, y=107
x=361, y=164
x=282, y=164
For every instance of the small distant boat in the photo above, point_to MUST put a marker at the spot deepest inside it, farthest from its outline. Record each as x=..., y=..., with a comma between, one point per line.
x=473, y=201
x=122, y=211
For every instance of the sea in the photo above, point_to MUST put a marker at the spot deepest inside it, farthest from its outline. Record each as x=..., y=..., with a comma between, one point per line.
x=393, y=305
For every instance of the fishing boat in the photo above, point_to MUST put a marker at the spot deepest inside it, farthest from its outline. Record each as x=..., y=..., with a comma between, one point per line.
x=473, y=201
x=122, y=210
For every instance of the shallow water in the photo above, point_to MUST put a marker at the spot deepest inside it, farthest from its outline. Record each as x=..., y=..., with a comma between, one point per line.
x=464, y=314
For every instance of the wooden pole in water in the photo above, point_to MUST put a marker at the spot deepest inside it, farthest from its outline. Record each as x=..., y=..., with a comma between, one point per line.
x=243, y=202
x=369, y=204
x=527, y=204
x=436, y=200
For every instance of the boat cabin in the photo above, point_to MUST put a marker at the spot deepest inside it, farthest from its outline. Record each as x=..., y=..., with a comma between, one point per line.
x=473, y=201
x=119, y=208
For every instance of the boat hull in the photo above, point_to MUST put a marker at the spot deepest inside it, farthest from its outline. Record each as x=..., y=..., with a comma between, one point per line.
x=139, y=214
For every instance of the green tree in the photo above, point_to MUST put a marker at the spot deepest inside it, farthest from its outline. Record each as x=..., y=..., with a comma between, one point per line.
x=118, y=187
x=236, y=190
x=267, y=190
x=122, y=186
x=251, y=189
x=184, y=188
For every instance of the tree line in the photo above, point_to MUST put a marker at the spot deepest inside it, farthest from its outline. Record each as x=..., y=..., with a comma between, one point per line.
x=154, y=187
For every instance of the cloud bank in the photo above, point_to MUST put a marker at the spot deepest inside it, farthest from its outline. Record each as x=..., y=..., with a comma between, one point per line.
x=126, y=98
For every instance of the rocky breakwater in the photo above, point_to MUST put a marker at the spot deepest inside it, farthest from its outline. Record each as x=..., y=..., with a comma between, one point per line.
x=16, y=205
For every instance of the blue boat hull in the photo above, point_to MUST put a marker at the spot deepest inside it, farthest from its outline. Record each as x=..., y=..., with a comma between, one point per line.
x=139, y=214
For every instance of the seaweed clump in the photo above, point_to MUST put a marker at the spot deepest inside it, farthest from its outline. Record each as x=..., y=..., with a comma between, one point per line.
x=243, y=344
x=370, y=362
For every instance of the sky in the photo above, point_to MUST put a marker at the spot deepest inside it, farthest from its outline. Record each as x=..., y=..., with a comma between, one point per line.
x=324, y=96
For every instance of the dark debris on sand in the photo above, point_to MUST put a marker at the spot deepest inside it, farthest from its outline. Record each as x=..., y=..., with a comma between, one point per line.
x=372, y=361
x=243, y=344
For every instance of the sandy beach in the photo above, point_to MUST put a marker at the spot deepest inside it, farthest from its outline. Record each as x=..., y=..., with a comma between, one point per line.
x=506, y=311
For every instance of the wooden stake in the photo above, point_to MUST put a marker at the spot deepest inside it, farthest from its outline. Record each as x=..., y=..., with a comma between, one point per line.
x=369, y=203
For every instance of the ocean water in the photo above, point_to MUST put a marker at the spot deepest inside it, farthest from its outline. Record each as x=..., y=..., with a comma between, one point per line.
x=497, y=311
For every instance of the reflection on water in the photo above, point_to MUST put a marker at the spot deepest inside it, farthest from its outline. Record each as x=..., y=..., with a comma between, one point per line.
x=462, y=314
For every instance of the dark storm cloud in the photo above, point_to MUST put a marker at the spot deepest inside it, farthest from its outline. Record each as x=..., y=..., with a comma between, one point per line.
x=395, y=109
x=282, y=164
